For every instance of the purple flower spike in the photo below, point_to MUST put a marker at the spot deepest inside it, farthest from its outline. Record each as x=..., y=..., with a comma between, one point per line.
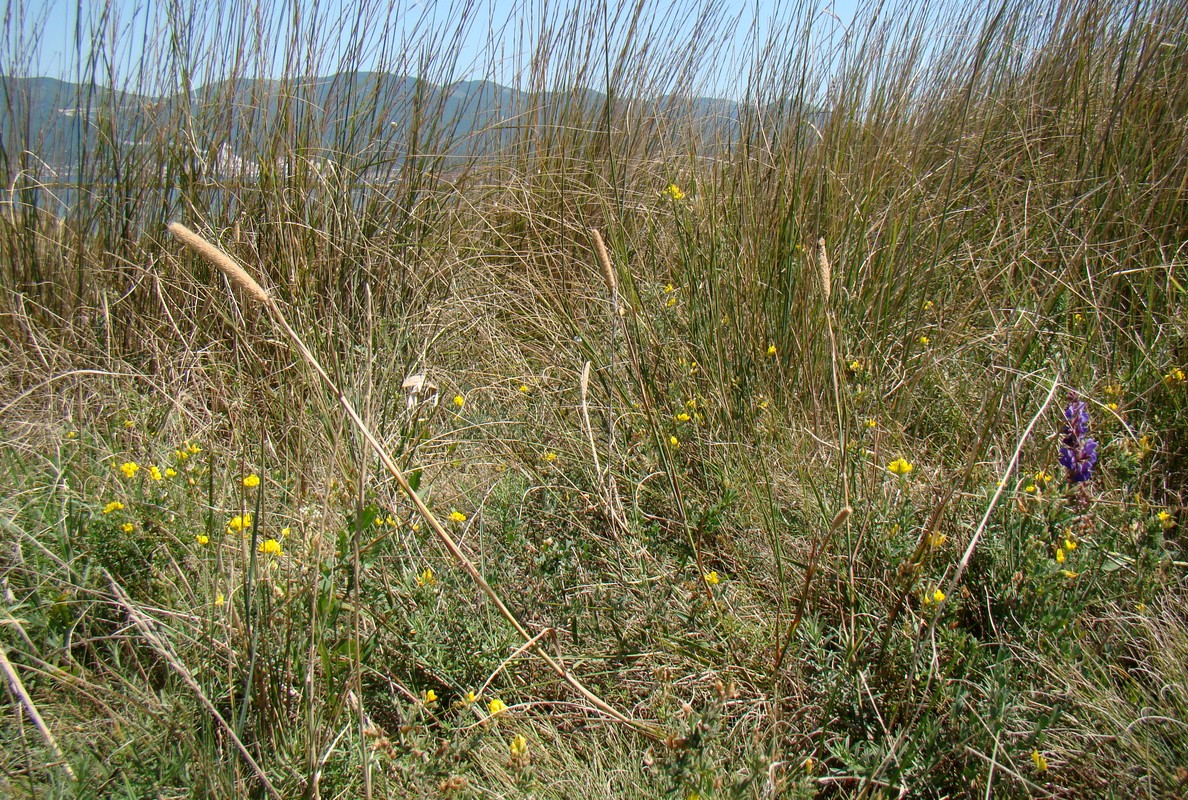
x=1078, y=453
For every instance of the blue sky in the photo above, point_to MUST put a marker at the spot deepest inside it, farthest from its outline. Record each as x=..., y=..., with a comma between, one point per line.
x=495, y=36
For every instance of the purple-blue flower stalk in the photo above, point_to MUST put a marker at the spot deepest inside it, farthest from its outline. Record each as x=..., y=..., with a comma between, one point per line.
x=1078, y=453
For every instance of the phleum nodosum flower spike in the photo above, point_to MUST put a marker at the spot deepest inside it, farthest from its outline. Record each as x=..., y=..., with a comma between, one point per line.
x=1078, y=453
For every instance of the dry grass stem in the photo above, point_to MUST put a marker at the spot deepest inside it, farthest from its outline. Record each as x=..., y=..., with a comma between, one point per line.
x=18, y=688
x=150, y=636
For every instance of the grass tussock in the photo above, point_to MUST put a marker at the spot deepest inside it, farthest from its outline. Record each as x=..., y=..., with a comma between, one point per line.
x=576, y=434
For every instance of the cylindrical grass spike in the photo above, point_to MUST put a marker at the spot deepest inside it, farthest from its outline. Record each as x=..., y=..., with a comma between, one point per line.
x=235, y=273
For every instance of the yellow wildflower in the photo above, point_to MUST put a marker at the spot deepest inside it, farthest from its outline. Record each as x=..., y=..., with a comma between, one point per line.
x=670, y=302
x=155, y=473
x=550, y=456
x=518, y=746
x=1068, y=573
x=924, y=340
x=771, y=350
x=855, y=365
x=712, y=578
x=181, y=455
x=426, y=578
x=1059, y=555
x=129, y=468
x=270, y=547
x=1078, y=318
x=1042, y=477
x=170, y=472
x=239, y=523
x=1070, y=544
x=524, y=388
x=1140, y=607
x=114, y=505
x=202, y=538
x=252, y=481
x=430, y=697
x=673, y=192
x=1174, y=377
x=872, y=423
x=459, y=400
x=286, y=531
x=470, y=699
x=496, y=706
x=927, y=305
x=900, y=467
x=669, y=288
x=1030, y=488
x=937, y=540
x=127, y=527
x=193, y=449
x=938, y=596
x=1041, y=763
x=1113, y=390
x=1144, y=446
x=1166, y=520
x=808, y=764
x=674, y=442
x=220, y=600
x=691, y=403
x=129, y=424
x=457, y=516
x=683, y=417
x=1112, y=406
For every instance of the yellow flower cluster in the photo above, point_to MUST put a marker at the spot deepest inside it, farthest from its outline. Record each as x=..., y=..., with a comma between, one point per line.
x=129, y=468
x=270, y=547
x=239, y=524
x=900, y=467
x=457, y=516
x=252, y=481
x=114, y=505
x=673, y=192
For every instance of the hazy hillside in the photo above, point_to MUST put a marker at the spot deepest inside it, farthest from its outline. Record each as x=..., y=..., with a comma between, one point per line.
x=332, y=117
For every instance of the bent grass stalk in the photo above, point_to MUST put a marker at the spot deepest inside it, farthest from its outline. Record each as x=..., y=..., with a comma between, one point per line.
x=240, y=278
x=150, y=636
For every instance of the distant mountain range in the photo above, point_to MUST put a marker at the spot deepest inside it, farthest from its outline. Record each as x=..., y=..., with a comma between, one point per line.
x=236, y=123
